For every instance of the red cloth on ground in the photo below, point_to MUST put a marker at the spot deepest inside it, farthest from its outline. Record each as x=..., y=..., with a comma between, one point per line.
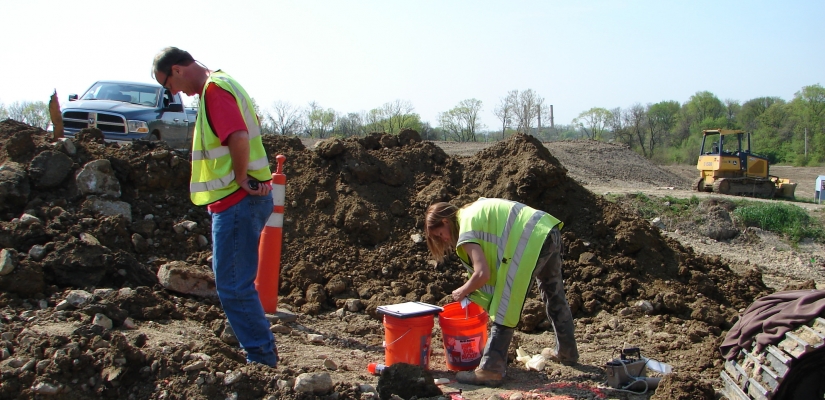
x=225, y=118
x=768, y=319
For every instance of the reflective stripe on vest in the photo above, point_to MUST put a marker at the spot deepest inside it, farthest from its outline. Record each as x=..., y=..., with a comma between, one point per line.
x=226, y=180
x=503, y=297
x=213, y=177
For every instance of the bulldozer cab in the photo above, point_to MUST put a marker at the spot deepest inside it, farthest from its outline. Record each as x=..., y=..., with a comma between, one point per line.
x=726, y=153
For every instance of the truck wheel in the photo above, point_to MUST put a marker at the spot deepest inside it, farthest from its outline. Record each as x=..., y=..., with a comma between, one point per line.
x=806, y=379
x=153, y=137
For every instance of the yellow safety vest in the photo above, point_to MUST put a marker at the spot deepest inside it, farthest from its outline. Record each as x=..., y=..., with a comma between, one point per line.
x=511, y=235
x=212, y=175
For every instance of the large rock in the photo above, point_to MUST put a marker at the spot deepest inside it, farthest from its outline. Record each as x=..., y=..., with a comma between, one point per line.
x=98, y=177
x=313, y=383
x=108, y=207
x=8, y=261
x=185, y=278
x=14, y=186
x=49, y=169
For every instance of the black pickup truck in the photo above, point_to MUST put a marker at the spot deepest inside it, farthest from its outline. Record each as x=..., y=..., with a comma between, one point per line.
x=126, y=111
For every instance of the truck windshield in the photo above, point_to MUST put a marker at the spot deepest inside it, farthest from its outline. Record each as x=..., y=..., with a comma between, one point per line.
x=129, y=93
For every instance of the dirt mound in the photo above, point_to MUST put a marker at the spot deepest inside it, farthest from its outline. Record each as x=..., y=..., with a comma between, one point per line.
x=597, y=163
x=352, y=237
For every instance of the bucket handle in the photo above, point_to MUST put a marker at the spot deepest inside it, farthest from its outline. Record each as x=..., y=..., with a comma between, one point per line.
x=399, y=338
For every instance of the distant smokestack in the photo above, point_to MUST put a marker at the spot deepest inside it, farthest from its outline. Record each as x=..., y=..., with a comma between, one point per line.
x=552, y=126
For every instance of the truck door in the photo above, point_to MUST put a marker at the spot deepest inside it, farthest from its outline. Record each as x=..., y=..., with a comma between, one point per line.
x=174, y=121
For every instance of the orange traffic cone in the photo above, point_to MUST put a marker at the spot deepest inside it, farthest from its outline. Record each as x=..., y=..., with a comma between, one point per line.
x=269, y=247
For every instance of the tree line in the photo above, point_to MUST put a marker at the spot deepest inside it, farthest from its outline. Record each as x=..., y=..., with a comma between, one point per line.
x=791, y=132
x=34, y=113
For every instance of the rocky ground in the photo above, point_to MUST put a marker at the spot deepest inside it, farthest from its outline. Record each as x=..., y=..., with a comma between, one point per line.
x=105, y=270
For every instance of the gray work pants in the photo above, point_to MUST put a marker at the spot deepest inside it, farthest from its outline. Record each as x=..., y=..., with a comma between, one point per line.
x=551, y=289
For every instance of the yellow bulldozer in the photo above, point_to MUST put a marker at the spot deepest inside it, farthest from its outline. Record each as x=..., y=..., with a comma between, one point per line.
x=727, y=166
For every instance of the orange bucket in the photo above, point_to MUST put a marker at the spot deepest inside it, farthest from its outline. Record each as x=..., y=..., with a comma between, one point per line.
x=464, y=331
x=407, y=340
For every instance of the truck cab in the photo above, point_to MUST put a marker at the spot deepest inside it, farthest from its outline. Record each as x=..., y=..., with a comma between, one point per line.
x=127, y=111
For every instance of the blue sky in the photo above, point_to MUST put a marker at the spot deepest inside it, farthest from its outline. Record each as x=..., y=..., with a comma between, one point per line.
x=353, y=56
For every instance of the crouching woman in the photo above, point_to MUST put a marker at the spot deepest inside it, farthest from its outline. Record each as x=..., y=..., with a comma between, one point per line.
x=504, y=245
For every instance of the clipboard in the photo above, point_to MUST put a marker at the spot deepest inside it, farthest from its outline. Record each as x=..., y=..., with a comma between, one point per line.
x=409, y=309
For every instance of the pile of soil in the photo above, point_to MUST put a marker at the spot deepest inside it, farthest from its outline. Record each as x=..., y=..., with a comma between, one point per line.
x=352, y=239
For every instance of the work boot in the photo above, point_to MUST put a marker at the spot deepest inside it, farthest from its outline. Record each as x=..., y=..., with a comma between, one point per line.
x=551, y=355
x=479, y=377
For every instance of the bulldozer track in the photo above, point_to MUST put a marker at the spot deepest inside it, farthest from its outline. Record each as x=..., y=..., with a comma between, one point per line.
x=749, y=187
x=778, y=371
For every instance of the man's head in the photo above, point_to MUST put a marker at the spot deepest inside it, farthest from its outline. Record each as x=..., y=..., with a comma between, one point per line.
x=172, y=70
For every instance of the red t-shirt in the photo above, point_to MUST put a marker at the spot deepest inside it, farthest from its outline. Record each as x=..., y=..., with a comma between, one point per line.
x=225, y=118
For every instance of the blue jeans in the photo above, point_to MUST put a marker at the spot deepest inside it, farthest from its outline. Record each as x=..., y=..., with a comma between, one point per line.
x=235, y=235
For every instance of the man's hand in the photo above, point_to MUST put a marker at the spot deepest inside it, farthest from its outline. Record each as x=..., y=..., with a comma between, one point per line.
x=254, y=187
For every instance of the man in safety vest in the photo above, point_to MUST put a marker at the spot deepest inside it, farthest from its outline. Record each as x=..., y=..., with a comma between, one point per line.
x=504, y=245
x=230, y=176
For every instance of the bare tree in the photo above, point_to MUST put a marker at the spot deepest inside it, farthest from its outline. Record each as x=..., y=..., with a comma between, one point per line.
x=3, y=112
x=634, y=119
x=595, y=119
x=616, y=124
x=374, y=121
x=34, y=113
x=661, y=119
x=15, y=110
x=286, y=118
x=351, y=124
x=505, y=111
x=399, y=115
x=320, y=122
x=527, y=110
x=462, y=121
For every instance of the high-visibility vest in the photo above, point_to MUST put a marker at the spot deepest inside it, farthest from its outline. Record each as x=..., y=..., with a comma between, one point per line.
x=212, y=175
x=511, y=235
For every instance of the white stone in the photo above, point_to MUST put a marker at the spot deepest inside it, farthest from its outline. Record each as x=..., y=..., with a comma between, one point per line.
x=315, y=383
x=89, y=239
x=79, y=298
x=102, y=320
x=69, y=146
x=128, y=323
x=197, y=365
x=232, y=377
x=189, y=225
x=45, y=388
x=28, y=219
x=63, y=305
x=7, y=262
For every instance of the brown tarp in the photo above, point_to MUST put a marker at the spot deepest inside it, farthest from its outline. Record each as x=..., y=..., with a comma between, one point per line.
x=770, y=317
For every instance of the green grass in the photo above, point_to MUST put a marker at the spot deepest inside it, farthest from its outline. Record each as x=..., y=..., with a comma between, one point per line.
x=651, y=207
x=786, y=219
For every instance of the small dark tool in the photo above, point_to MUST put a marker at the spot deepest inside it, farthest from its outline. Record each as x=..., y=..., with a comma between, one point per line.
x=253, y=184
